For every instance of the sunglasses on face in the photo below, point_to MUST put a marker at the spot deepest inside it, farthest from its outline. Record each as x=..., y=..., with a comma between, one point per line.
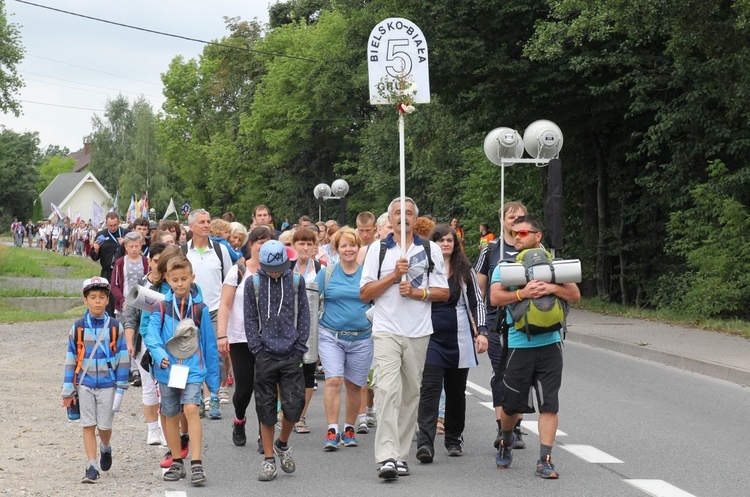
x=522, y=233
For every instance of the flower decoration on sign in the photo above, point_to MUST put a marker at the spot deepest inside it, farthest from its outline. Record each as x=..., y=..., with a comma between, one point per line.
x=400, y=91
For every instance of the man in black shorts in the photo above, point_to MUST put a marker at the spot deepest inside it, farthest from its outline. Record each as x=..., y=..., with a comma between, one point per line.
x=533, y=360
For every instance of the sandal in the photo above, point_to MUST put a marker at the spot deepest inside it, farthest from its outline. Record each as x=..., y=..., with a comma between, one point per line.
x=301, y=426
x=440, y=427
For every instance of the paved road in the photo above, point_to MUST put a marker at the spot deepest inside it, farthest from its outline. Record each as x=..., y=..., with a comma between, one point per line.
x=673, y=432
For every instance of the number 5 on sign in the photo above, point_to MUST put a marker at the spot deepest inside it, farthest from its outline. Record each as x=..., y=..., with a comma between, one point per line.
x=397, y=50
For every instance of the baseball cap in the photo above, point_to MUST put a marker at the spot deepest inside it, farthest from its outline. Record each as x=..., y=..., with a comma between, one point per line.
x=275, y=257
x=95, y=282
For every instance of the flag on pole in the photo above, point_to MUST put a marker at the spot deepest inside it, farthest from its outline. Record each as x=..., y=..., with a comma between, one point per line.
x=117, y=200
x=69, y=213
x=138, y=209
x=171, y=209
x=96, y=215
x=131, y=210
x=77, y=218
x=144, y=206
x=56, y=210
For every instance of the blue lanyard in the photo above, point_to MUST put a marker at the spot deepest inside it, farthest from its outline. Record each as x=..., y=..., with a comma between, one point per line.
x=178, y=312
x=90, y=324
x=113, y=237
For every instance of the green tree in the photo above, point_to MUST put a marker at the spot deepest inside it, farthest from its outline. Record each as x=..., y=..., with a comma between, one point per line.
x=110, y=143
x=144, y=172
x=713, y=235
x=19, y=174
x=11, y=54
x=51, y=166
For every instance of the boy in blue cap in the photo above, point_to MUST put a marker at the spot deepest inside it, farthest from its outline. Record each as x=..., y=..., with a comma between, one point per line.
x=277, y=324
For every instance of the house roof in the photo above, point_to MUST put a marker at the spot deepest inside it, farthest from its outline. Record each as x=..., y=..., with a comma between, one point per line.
x=82, y=158
x=63, y=187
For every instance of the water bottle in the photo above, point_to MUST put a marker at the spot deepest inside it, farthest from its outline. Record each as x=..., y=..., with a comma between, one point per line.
x=74, y=409
x=118, y=400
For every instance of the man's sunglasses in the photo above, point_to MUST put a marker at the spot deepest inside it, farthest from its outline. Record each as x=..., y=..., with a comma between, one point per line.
x=522, y=233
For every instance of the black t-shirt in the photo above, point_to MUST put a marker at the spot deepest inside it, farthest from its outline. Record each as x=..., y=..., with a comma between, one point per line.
x=489, y=257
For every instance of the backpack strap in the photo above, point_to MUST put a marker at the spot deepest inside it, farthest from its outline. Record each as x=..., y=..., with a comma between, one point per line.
x=295, y=285
x=241, y=270
x=381, y=256
x=256, y=288
x=80, y=349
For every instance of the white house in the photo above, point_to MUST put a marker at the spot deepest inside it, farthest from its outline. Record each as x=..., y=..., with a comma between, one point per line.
x=75, y=192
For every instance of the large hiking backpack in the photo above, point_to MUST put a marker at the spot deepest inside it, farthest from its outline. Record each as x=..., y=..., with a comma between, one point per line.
x=543, y=314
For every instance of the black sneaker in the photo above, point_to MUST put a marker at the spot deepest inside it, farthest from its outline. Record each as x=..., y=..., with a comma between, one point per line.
x=424, y=454
x=105, y=459
x=238, y=433
x=518, y=442
x=388, y=470
x=135, y=379
x=455, y=451
x=197, y=474
x=91, y=475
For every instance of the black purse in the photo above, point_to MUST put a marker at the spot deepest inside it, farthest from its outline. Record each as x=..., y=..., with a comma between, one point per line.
x=147, y=360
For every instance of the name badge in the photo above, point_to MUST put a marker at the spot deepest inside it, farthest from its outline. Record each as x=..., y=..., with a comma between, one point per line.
x=178, y=375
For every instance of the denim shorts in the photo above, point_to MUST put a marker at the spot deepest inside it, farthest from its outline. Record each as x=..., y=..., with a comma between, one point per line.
x=172, y=399
x=350, y=359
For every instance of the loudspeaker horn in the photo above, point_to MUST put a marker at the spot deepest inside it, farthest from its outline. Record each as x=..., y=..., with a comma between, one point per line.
x=503, y=143
x=543, y=139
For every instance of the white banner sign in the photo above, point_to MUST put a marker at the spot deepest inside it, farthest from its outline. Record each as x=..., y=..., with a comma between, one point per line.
x=397, y=53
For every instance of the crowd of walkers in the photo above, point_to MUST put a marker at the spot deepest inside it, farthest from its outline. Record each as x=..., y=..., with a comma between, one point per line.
x=393, y=321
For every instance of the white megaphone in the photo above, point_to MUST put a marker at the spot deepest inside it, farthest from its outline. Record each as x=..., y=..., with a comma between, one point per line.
x=543, y=139
x=143, y=298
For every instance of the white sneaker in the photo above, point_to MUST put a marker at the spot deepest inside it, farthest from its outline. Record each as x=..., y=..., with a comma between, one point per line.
x=154, y=437
x=223, y=395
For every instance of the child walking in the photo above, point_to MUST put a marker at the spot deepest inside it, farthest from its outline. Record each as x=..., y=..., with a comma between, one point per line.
x=96, y=373
x=182, y=343
x=277, y=324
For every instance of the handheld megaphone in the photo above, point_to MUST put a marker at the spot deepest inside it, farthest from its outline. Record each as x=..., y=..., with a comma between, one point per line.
x=143, y=298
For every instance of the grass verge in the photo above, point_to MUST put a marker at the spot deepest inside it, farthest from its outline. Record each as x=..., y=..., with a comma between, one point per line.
x=15, y=261
x=9, y=314
x=729, y=326
x=33, y=292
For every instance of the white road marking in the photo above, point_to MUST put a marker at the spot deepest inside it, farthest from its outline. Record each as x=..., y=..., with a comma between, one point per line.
x=533, y=426
x=488, y=405
x=590, y=454
x=658, y=488
x=479, y=389
x=175, y=493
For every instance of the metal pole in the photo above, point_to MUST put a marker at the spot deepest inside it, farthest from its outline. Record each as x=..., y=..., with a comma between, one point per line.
x=402, y=174
x=342, y=211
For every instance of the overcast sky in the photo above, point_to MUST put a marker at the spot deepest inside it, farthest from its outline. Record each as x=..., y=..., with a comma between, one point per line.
x=76, y=62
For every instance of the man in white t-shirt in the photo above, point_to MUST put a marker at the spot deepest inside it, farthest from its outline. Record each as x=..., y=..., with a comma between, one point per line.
x=401, y=329
x=211, y=264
